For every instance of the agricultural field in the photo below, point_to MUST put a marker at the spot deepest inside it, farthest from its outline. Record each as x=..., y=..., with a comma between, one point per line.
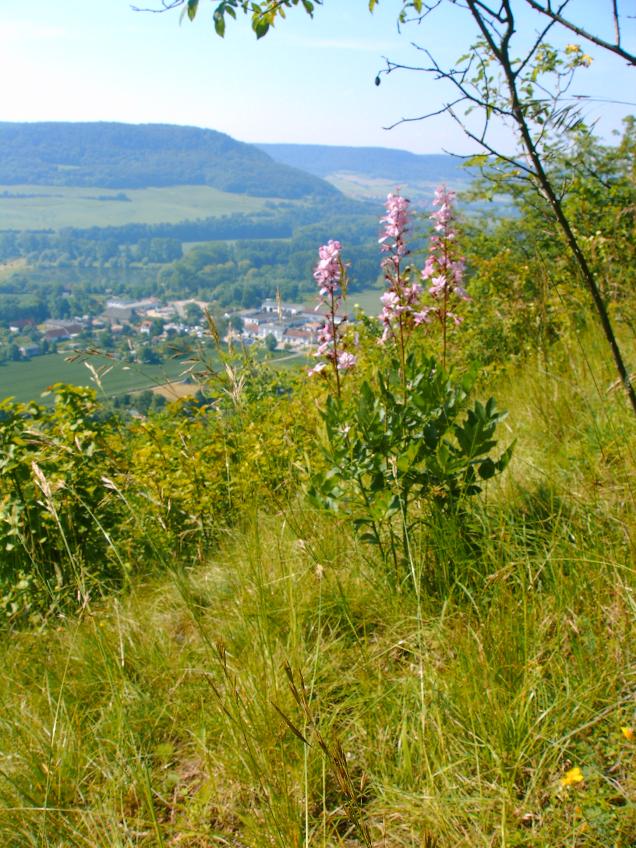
x=364, y=187
x=26, y=381
x=31, y=207
x=9, y=268
x=368, y=300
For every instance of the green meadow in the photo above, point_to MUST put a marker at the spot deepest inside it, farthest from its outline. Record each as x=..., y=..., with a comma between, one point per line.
x=285, y=691
x=26, y=381
x=361, y=186
x=390, y=604
x=53, y=207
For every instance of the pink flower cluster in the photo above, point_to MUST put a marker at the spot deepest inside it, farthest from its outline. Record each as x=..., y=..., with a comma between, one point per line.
x=395, y=223
x=444, y=267
x=401, y=308
x=329, y=337
x=328, y=274
x=329, y=269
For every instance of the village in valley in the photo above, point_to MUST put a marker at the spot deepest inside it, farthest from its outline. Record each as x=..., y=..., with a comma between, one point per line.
x=280, y=325
x=155, y=342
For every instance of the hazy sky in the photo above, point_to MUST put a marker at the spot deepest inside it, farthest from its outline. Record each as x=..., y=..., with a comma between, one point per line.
x=308, y=81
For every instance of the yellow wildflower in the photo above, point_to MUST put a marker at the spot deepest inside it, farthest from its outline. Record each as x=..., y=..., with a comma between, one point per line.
x=574, y=775
x=628, y=733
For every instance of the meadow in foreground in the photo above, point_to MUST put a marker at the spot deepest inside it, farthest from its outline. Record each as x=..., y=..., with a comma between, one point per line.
x=498, y=713
x=196, y=654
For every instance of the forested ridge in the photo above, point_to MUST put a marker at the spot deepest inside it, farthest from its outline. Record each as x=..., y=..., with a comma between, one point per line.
x=385, y=163
x=114, y=155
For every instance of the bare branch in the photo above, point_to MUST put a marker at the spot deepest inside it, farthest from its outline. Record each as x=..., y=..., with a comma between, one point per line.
x=613, y=47
x=166, y=5
x=434, y=114
x=481, y=140
x=497, y=16
x=617, y=22
x=539, y=39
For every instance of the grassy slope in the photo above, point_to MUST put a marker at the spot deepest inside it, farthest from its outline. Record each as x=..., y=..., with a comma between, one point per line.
x=78, y=207
x=152, y=720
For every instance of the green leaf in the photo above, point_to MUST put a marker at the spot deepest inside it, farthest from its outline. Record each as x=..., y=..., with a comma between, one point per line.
x=369, y=538
x=487, y=469
x=260, y=27
x=192, y=8
x=219, y=23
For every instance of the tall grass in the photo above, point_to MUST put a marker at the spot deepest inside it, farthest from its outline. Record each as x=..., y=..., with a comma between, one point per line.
x=164, y=718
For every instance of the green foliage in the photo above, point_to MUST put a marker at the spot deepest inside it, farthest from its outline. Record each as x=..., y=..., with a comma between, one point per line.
x=404, y=444
x=490, y=705
x=55, y=513
x=88, y=499
x=525, y=290
x=263, y=15
x=113, y=155
x=156, y=716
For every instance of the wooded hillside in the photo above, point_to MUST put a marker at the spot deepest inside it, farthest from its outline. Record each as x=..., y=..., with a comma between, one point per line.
x=137, y=156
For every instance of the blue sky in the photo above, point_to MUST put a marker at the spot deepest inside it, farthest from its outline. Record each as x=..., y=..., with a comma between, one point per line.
x=308, y=81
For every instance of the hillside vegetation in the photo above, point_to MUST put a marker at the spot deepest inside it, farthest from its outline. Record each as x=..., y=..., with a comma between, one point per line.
x=381, y=162
x=391, y=604
x=368, y=173
x=465, y=712
x=93, y=210
x=144, y=155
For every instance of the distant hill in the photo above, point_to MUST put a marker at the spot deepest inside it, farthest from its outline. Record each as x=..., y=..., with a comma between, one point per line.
x=114, y=155
x=380, y=162
x=369, y=172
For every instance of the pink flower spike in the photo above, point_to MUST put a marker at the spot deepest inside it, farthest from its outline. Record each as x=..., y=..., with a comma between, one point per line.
x=395, y=224
x=346, y=361
x=439, y=284
x=390, y=300
x=318, y=367
x=327, y=271
x=462, y=293
x=423, y=317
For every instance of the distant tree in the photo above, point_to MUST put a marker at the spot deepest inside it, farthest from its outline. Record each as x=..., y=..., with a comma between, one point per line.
x=58, y=305
x=156, y=327
x=107, y=340
x=158, y=402
x=149, y=356
x=270, y=342
x=143, y=401
x=193, y=313
x=251, y=297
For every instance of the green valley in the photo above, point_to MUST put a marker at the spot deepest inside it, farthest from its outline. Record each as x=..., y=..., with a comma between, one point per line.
x=52, y=207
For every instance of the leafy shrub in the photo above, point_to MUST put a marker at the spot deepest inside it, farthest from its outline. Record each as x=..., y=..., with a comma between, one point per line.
x=401, y=447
